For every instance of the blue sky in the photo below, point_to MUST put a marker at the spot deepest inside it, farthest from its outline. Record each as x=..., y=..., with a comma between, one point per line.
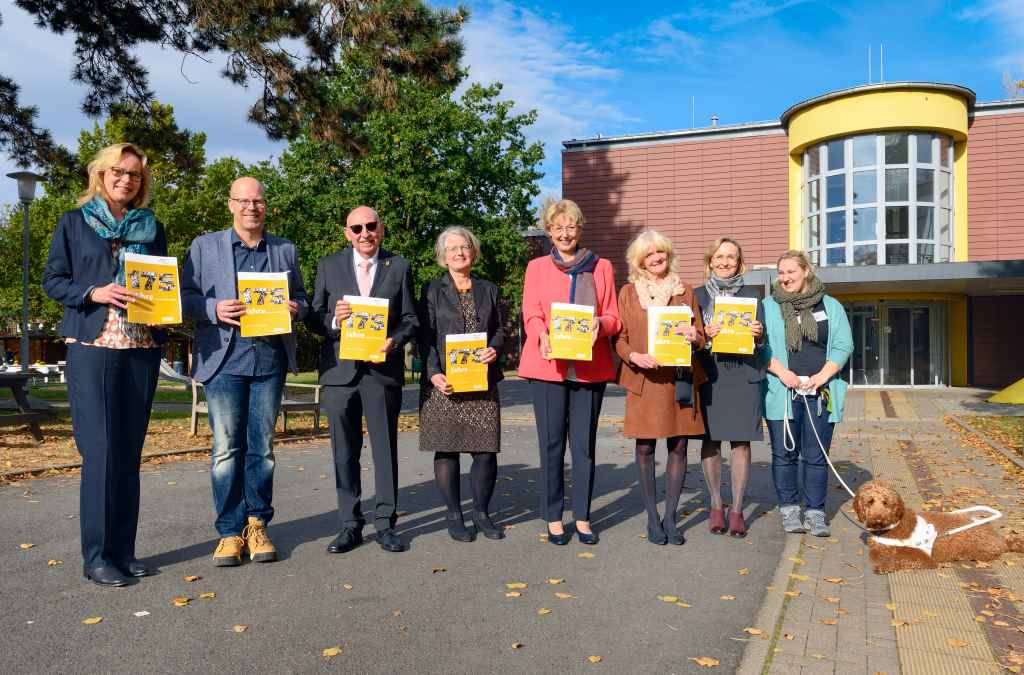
x=607, y=67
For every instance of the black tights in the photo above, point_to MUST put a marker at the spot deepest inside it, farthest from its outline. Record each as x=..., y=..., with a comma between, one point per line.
x=675, y=474
x=482, y=476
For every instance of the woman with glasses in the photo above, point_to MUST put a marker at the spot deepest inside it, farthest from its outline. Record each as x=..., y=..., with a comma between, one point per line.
x=452, y=423
x=566, y=393
x=112, y=363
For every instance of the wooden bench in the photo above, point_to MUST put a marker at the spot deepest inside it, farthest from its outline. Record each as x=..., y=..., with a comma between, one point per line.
x=18, y=384
x=288, y=404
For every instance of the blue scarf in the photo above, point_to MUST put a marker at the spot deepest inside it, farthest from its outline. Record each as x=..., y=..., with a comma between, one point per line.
x=134, y=231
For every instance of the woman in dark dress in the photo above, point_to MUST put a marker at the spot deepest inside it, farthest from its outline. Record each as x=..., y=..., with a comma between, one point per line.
x=468, y=422
x=732, y=399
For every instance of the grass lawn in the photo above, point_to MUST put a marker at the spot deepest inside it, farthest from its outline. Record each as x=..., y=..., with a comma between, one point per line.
x=1008, y=431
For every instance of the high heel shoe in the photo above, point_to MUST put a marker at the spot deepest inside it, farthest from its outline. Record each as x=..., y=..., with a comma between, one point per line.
x=559, y=539
x=737, y=526
x=656, y=534
x=716, y=521
x=672, y=533
x=457, y=529
x=483, y=524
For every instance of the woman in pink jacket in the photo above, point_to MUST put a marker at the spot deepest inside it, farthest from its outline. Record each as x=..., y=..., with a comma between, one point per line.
x=567, y=394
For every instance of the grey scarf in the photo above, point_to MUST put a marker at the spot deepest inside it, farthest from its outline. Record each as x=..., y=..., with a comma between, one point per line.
x=802, y=304
x=716, y=286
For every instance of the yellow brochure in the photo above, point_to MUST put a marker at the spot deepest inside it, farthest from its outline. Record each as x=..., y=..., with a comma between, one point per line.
x=665, y=340
x=364, y=333
x=265, y=295
x=735, y=315
x=463, y=368
x=570, y=329
x=154, y=280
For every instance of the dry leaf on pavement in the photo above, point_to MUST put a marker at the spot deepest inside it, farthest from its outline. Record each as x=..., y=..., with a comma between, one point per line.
x=595, y=659
x=835, y=580
x=829, y=622
x=830, y=598
x=331, y=652
x=347, y=587
x=180, y=601
x=192, y=577
x=564, y=596
x=436, y=570
x=515, y=585
x=555, y=582
x=543, y=610
x=517, y=645
x=728, y=597
x=92, y=620
x=956, y=642
x=705, y=661
x=753, y=631
x=25, y=547
x=54, y=563
x=792, y=594
x=800, y=577
x=743, y=572
x=668, y=598
x=513, y=594
x=239, y=628
x=585, y=554
x=682, y=604
x=210, y=595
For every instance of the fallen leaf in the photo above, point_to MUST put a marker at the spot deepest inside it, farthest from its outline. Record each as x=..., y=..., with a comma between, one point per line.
x=54, y=563
x=172, y=482
x=564, y=596
x=835, y=580
x=208, y=596
x=980, y=619
x=705, y=661
x=829, y=622
x=515, y=584
x=396, y=612
x=787, y=636
x=192, y=577
x=331, y=652
x=743, y=572
x=513, y=594
x=25, y=547
x=1001, y=624
x=682, y=604
x=92, y=620
x=798, y=561
x=141, y=614
x=543, y=610
x=180, y=601
x=668, y=598
x=239, y=628
x=800, y=577
x=555, y=582
x=753, y=631
x=585, y=554
x=436, y=570
x=517, y=645
x=792, y=594
x=595, y=659
x=728, y=597
x=891, y=606
x=956, y=642
x=347, y=587
x=832, y=599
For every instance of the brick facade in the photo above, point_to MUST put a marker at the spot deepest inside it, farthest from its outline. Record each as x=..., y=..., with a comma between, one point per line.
x=995, y=187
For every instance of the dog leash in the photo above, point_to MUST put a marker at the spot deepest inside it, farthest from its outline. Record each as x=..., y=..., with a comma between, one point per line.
x=789, y=443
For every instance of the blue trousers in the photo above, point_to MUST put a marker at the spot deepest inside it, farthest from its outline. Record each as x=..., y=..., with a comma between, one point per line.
x=560, y=409
x=243, y=411
x=786, y=464
x=110, y=392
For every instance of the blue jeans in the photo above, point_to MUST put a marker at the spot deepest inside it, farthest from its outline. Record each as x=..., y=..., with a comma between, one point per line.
x=814, y=474
x=243, y=411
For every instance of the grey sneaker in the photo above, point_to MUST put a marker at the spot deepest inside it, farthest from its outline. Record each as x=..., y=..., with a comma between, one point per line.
x=815, y=523
x=791, y=519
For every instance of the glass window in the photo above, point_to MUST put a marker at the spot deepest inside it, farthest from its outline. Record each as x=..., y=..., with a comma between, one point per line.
x=813, y=237
x=896, y=185
x=836, y=255
x=944, y=145
x=924, y=148
x=835, y=155
x=835, y=187
x=836, y=227
x=865, y=255
x=897, y=222
x=925, y=253
x=864, y=151
x=865, y=224
x=865, y=187
x=925, y=184
x=896, y=148
x=814, y=161
x=944, y=188
x=813, y=196
x=897, y=254
x=944, y=225
x=925, y=222
x=815, y=257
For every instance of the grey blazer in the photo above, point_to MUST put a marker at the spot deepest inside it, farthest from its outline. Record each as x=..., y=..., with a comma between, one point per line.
x=209, y=276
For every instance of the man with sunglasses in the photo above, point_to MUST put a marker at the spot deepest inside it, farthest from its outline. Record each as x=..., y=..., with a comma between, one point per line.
x=353, y=389
x=243, y=376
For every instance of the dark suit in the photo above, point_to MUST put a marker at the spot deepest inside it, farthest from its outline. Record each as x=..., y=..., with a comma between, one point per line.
x=110, y=391
x=353, y=388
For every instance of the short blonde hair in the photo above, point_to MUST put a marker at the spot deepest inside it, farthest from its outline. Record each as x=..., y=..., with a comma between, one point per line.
x=108, y=157
x=646, y=242
x=474, y=243
x=563, y=207
x=713, y=249
x=801, y=259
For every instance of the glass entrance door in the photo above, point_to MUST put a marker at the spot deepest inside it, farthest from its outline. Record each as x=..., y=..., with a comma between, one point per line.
x=897, y=344
x=865, y=362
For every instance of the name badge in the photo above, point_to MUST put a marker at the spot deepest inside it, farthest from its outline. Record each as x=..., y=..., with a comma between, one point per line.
x=820, y=316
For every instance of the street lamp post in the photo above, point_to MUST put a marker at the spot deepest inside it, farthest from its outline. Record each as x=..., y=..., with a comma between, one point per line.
x=26, y=193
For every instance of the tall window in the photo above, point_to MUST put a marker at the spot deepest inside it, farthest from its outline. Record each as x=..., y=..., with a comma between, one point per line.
x=879, y=199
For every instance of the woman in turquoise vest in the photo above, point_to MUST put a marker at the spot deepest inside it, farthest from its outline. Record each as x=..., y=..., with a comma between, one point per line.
x=809, y=341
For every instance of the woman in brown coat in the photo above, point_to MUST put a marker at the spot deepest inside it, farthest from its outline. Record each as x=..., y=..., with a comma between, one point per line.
x=661, y=401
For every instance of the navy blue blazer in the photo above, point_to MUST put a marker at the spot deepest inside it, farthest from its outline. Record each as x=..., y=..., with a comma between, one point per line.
x=336, y=277
x=80, y=259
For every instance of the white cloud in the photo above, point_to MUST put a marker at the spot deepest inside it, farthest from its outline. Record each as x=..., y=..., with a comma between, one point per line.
x=721, y=16
x=543, y=67
x=1008, y=18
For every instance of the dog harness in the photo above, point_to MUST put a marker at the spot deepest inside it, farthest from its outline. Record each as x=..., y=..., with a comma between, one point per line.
x=923, y=537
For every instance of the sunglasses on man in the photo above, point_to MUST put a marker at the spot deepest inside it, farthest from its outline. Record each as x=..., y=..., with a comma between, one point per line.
x=357, y=228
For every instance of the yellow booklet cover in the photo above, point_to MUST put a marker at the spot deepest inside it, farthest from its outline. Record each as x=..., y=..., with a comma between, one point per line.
x=570, y=329
x=463, y=368
x=364, y=333
x=154, y=280
x=665, y=340
x=735, y=316
x=265, y=295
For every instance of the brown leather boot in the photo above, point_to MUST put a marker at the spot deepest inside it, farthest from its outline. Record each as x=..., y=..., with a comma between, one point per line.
x=229, y=552
x=257, y=543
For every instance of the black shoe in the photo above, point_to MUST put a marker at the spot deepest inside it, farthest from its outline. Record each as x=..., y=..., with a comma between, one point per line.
x=106, y=575
x=656, y=534
x=483, y=524
x=346, y=540
x=588, y=538
x=672, y=533
x=559, y=539
x=389, y=541
x=457, y=528
x=135, y=568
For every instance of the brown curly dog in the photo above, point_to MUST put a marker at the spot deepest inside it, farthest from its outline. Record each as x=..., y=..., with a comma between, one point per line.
x=906, y=540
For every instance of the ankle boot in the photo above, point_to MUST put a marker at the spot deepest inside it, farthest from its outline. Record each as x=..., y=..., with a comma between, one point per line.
x=457, y=529
x=483, y=523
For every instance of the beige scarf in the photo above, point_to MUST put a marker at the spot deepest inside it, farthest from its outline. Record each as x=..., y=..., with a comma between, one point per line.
x=657, y=292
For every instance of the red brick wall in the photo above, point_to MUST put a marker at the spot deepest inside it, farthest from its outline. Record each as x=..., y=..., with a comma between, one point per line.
x=995, y=188
x=692, y=191
x=997, y=324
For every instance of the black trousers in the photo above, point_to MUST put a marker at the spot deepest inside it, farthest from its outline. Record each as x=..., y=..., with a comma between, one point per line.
x=345, y=406
x=561, y=407
x=111, y=395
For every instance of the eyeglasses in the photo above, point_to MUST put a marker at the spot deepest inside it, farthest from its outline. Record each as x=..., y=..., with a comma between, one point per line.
x=465, y=248
x=357, y=228
x=572, y=229
x=257, y=204
x=119, y=173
